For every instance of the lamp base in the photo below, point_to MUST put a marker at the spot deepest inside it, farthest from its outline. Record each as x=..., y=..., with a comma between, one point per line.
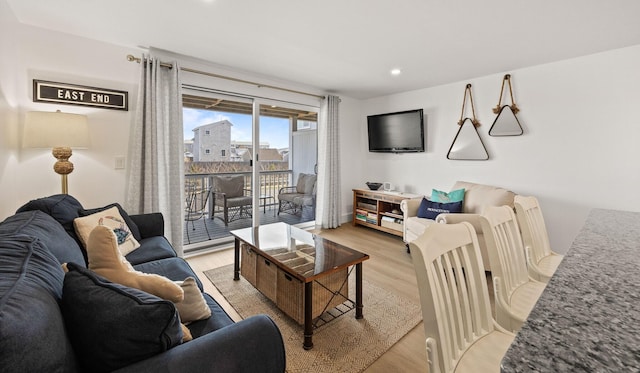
x=63, y=167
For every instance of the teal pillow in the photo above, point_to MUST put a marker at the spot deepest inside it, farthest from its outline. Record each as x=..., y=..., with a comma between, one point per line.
x=444, y=197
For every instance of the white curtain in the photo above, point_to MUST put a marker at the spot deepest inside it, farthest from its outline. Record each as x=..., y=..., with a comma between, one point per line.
x=155, y=175
x=328, y=202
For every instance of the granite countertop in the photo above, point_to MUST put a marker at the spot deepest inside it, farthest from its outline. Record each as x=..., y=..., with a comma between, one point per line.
x=588, y=318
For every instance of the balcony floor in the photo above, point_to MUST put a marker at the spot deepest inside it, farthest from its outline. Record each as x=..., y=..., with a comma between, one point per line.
x=217, y=230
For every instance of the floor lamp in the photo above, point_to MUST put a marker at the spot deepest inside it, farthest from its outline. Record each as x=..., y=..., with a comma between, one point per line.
x=60, y=131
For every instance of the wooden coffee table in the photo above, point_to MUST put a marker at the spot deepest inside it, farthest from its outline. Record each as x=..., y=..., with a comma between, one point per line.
x=302, y=273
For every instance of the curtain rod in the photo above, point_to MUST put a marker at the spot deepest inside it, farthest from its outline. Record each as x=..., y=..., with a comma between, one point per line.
x=132, y=58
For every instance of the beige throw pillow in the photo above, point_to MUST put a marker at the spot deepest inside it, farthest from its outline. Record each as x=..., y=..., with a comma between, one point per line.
x=194, y=307
x=109, y=218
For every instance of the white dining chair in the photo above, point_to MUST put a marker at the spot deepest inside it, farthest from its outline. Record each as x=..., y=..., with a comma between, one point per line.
x=515, y=291
x=541, y=260
x=461, y=334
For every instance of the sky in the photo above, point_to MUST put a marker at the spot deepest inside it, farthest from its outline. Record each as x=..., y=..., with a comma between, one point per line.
x=275, y=131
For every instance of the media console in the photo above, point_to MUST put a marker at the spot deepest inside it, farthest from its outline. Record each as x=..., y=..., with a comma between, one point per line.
x=379, y=209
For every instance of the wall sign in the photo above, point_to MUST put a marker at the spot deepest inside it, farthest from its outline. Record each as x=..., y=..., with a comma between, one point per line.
x=72, y=94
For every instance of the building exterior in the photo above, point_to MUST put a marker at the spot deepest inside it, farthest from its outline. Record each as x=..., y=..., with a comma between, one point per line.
x=212, y=142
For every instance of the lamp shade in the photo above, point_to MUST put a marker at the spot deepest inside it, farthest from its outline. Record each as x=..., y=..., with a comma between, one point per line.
x=55, y=129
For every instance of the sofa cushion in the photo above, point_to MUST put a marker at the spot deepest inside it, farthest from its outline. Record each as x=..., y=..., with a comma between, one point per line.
x=310, y=185
x=111, y=325
x=111, y=219
x=152, y=248
x=477, y=196
x=430, y=210
x=175, y=269
x=232, y=185
x=218, y=320
x=194, y=307
x=301, y=185
x=62, y=207
x=33, y=337
x=127, y=219
x=444, y=197
x=40, y=225
x=415, y=226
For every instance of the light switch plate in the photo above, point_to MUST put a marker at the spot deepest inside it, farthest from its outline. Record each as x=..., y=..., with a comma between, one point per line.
x=119, y=162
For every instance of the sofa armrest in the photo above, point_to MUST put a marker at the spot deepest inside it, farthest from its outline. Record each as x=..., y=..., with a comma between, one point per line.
x=409, y=207
x=474, y=219
x=149, y=225
x=251, y=345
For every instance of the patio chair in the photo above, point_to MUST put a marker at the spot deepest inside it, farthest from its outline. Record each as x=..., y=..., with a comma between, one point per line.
x=461, y=334
x=196, y=208
x=231, y=198
x=299, y=199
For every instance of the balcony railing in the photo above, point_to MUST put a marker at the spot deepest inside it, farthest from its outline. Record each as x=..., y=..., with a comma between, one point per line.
x=270, y=184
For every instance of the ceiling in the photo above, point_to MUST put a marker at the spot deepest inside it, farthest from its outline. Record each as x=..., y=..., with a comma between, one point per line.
x=348, y=47
x=230, y=106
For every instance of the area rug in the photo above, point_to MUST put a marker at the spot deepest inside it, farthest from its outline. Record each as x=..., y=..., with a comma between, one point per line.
x=342, y=345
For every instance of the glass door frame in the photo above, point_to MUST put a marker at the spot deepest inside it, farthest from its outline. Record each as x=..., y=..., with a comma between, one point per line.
x=257, y=103
x=255, y=165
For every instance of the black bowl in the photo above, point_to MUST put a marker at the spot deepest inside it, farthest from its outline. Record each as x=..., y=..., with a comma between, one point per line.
x=374, y=186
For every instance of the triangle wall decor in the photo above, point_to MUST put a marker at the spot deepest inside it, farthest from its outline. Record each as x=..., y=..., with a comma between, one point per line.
x=506, y=123
x=467, y=145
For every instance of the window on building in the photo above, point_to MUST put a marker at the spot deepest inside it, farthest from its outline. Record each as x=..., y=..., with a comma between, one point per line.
x=307, y=125
x=207, y=151
x=207, y=132
x=223, y=152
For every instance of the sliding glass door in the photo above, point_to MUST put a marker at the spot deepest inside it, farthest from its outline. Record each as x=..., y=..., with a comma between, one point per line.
x=288, y=149
x=218, y=135
x=225, y=142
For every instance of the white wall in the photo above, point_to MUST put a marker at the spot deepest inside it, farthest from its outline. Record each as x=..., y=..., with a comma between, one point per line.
x=579, y=151
x=31, y=53
x=8, y=114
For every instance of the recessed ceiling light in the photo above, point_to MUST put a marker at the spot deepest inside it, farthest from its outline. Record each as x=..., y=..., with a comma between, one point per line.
x=396, y=71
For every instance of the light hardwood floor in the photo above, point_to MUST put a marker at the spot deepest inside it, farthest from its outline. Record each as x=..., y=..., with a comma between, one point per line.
x=389, y=267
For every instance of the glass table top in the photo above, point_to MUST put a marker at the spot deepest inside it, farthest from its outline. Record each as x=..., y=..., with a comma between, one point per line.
x=300, y=252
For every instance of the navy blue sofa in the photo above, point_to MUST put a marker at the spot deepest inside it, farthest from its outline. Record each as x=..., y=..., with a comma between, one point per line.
x=46, y=327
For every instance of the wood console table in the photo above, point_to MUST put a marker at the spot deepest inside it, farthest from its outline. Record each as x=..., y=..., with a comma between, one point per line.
x=588, y=317
x=379, y=209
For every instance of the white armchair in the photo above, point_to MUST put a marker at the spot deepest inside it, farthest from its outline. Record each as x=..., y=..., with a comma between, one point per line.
x=476, y=197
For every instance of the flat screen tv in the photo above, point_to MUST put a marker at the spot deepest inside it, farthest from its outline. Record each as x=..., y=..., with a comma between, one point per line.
x=401, y=132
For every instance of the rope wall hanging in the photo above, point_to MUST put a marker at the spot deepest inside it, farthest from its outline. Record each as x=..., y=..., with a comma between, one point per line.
x=467, y=145
x=506, y=123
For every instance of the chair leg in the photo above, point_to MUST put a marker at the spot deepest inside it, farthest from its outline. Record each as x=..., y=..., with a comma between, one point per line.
x=204, y=221
x=186, y=226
